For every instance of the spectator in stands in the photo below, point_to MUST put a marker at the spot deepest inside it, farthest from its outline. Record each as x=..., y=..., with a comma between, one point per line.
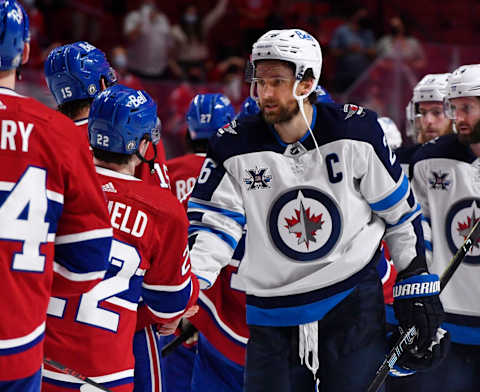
x=230, y=72
x=353, y=44
x=252, y=19
x=148, y=33
x=398, y=44
x=190, y=41
x=119, y=61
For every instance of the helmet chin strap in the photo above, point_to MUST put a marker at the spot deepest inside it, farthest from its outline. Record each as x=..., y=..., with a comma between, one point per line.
x=150, y=162
x=300, y=99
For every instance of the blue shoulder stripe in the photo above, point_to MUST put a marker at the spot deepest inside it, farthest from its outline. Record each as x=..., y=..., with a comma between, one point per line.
x=393, y=198
x=236, y=216
x=222, y=235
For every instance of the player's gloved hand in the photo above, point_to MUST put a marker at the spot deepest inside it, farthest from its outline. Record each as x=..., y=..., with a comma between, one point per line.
x=411, y=362
x=416, y=303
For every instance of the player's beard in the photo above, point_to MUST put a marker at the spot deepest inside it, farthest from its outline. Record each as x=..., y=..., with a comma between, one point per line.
x=472, y=137
x=282, y=114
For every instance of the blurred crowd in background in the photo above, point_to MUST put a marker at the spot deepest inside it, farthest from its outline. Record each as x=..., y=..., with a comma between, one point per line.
x=374, y=51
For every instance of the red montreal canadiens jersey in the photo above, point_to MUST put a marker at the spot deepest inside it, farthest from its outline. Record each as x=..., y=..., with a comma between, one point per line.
x=183, y=172
x=388, y=274
x=221, y=317
x=93, y=334
x=55, y=232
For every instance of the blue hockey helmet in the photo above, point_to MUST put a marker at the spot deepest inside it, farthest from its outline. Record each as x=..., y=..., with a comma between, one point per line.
x=249, y=108
x=14, y=34
x=207, y=113
x=120, y=117
x=323, y=96
x=74, y=72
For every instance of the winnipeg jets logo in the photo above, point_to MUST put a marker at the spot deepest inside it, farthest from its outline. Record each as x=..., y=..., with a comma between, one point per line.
x=439, y=180
x=305, y=224
x=258, y=178
x=460, y=220
x=351, y=110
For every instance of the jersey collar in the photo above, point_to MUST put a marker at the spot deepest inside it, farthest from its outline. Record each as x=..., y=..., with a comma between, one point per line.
x=303, y=138
x=111, y=173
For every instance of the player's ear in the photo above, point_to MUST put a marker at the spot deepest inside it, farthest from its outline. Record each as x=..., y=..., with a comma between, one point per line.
x=103, y=84
x=26, y=53
x=142, y=147
x=304, y=86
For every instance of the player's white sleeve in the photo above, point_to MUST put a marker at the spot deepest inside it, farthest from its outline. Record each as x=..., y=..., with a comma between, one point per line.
x=388, y=192
x=217, y=218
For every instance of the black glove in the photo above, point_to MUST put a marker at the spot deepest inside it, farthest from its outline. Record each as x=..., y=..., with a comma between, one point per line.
x=411, y=361
x=416, y=303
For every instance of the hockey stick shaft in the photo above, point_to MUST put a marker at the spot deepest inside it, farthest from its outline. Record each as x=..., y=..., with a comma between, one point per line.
x=407, y=336
x=74, y=373
x=186, y=334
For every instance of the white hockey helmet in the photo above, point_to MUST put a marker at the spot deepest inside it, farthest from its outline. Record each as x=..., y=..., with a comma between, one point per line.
x=432, y=88
x=392, y=134
x=464, y=82
x=293, y=45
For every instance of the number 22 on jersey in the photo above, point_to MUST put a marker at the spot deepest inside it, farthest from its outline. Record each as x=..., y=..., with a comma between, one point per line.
x=89, y=311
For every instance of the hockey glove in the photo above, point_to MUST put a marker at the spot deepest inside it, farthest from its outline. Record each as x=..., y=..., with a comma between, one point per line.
x=411, y=362
x=416, y=303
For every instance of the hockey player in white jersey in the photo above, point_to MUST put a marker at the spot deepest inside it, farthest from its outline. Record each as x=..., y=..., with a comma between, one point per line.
x=426, y=118
x=319, y=188
x=446, y=180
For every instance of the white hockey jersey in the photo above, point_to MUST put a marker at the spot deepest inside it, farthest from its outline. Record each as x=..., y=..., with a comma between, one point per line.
x=446, y=181
x=315, y=218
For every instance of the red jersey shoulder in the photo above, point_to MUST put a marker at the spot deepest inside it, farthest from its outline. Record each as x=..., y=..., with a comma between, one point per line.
x=183, y=173
x=56, y=126
x=190, y=164
x=157, y=201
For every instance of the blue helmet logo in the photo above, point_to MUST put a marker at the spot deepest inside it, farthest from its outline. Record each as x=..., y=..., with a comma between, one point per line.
x=75, y=71
x=207, y=113
x=120, y=117
x=14, y=34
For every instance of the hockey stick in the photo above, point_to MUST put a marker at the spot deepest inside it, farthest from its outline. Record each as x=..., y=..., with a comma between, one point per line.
x=74, y=373
x=407, y=336
x=186, y=334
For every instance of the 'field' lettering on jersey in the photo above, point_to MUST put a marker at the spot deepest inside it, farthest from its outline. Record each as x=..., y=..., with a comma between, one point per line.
x=9, y=130
x=120, y=212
